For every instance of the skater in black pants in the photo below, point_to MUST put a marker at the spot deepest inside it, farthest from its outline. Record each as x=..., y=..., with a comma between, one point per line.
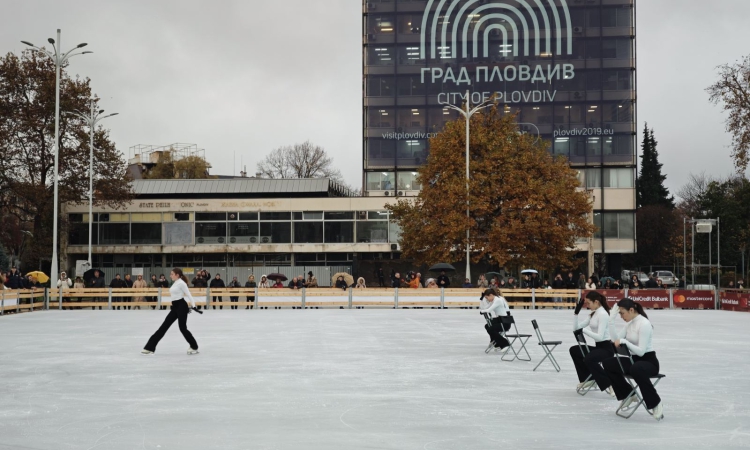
x=637, y=337
x=595, y=326
x=496, y=307
x=180, y=309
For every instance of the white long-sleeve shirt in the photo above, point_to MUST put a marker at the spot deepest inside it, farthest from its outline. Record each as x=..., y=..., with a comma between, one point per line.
x=68, y=283
x=498, y=308
x=598, y=324
x=637, y=335
x=180, y=290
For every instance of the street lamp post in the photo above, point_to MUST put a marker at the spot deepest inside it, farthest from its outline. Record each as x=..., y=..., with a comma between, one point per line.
x=59, y=58
x=91, y=119
x=467, y=114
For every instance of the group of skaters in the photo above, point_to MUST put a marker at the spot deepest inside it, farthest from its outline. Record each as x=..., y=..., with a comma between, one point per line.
x=605, y=364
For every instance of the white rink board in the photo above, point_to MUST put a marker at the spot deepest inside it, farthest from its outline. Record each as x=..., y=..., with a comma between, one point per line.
x=351, y=379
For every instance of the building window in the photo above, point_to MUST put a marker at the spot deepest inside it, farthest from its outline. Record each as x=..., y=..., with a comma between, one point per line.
x=248, y=216
x=614, y=225
x=114, y=233
x=380, y=87
x=308, y=232
x=380, y=55
x=412, y=118
x=211, y=233
x=210, y=217
x=339, y=232
x=244, y=233
x=381, y=24
x=409, y=23
x=381, y=118
x=78, y=234
x=145, y=233
x=275, y=232
x=408, y=181
x=375, y=232
x=180, y=233
x=380, y=181
x=275, y=216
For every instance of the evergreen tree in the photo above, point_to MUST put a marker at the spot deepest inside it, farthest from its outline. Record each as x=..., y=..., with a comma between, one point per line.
x=650, y=187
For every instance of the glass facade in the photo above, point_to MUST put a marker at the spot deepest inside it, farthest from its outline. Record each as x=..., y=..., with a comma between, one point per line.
x=566, y=68
x=407, y=77
x=236, y=228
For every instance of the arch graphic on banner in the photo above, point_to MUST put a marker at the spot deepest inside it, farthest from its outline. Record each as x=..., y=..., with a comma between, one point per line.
x=500, y=15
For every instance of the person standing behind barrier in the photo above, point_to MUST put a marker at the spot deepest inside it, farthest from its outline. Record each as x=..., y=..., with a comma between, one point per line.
x=443, y=281
x=312, y=282
x=153, y=284
x=496, y=307
x=595, y=326
x=14, y=279
x=589, y=284
x=482, y=282
x=264, y=284
x=637, y=336
x=64, y=283
x=128, y=284
x=361, y=283
x=118, y=283
x=180, y=294
x=139, y=283
x=163, y=283
x=381, y=277
x=250, y=283
x=234, y=284
x=97, y=282
x=79, y=285
x=558, y=283
x=217, y=282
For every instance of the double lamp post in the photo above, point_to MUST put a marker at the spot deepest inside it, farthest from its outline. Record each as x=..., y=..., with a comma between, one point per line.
x=60, y=58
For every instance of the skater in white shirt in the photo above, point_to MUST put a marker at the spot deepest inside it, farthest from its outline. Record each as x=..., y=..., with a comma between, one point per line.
x=496, y=307
x=180, y=296
x=596, y=327
x=637, y=337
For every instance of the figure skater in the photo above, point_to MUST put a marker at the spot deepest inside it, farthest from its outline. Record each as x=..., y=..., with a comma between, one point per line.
x=595, y=326
x=637, y=337
x=179, y=311
x=496, y=307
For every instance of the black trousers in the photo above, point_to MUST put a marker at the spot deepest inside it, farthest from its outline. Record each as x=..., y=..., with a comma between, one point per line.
x=641, y=370
x=589, y=365
x=234, y=300
x=178, y=312
x=495, y=332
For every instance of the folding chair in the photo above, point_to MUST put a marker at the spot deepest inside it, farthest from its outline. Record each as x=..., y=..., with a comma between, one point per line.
x=521, y=338
x=544, y=344
x=584, y=347
x=624, y=352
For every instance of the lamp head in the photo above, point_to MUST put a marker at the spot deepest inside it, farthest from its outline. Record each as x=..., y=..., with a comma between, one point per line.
x=27, y=43
x=101, y=111
x=83, y=53
x=51, y=41
x=82, y=45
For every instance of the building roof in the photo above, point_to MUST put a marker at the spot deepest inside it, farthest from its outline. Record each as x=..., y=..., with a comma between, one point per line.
x=239, y=188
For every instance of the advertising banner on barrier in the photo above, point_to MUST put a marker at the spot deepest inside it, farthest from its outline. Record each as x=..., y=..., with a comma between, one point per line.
x=694, y=299
x=734, y=301
x=650, y=298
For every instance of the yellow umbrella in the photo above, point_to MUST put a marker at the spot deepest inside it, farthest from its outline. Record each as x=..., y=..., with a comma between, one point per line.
x=40, y=276
x=348, y=278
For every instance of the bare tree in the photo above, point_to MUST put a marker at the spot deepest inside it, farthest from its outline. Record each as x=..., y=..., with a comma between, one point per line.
x=304, y=160
x=733, y=91
x=693, y=191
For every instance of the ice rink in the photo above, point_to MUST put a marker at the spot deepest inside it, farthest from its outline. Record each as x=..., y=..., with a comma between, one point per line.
x=352, y=379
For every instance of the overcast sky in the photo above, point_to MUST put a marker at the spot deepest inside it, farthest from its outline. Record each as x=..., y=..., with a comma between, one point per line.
x=240, y=78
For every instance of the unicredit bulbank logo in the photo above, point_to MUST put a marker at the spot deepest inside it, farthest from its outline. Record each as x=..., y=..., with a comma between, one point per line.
x=463, y=29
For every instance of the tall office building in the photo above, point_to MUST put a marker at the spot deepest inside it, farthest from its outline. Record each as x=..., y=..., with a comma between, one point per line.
x=567, y=68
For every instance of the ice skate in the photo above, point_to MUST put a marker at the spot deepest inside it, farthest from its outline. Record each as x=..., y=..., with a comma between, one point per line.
x=192, y=351
x=146, y=352
x=627, y=402
x=658, y=412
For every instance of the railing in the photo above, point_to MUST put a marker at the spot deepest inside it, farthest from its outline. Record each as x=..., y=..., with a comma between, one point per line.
x=17, y=301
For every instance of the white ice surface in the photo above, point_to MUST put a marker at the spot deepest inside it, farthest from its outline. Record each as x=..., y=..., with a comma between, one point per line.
x=351, y=379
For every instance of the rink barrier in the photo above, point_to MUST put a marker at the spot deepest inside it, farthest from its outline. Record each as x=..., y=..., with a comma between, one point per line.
x=19, y=301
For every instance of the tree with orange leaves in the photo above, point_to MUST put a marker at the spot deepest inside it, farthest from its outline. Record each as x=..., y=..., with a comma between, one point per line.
x=526, y=206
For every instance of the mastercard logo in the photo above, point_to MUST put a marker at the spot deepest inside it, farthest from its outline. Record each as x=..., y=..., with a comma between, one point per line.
x=679, y=299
